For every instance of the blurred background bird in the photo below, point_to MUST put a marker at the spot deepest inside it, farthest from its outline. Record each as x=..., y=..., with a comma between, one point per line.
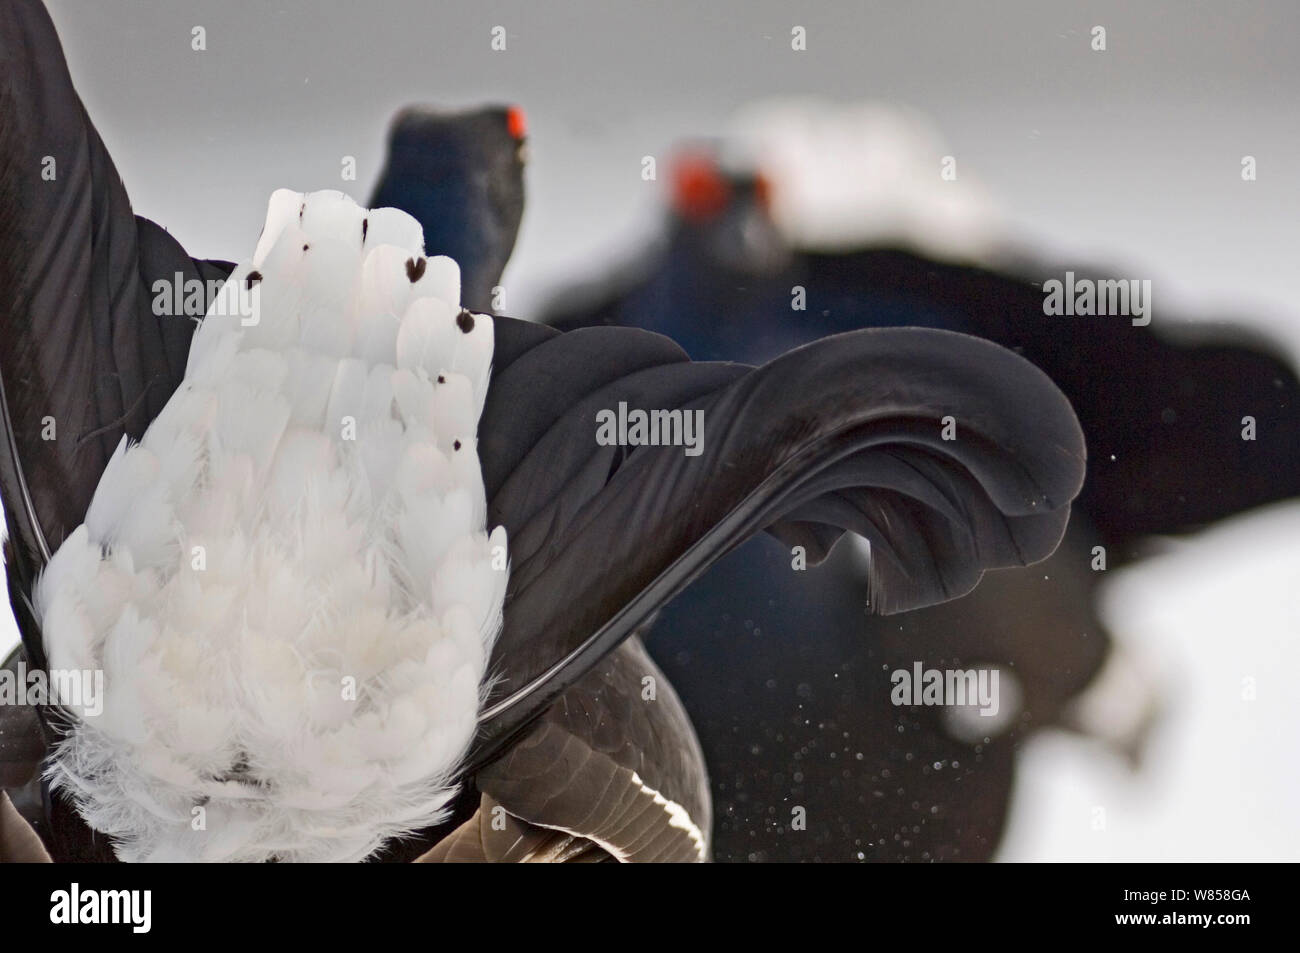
x=460, y=175
x=809, y=222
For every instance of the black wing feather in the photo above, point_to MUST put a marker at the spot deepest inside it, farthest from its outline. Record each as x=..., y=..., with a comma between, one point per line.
x=842, y=433
x=82, y=351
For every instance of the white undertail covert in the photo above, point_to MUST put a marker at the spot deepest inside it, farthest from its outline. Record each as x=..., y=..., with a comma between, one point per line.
x=288, y=583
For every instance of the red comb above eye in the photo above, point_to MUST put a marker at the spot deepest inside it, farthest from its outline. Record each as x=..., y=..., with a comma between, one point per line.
x=516, y=124
x=699, y=190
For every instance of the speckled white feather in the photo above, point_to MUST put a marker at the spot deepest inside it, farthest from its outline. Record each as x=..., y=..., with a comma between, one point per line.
x=288, y=583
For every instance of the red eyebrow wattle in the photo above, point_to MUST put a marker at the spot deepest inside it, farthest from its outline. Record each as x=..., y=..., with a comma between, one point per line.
x=516, y=123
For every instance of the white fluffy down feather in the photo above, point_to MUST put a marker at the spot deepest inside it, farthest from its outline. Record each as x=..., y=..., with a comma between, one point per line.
x=288, y=583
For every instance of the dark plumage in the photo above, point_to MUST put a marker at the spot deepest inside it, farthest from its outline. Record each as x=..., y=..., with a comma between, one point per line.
x=461, y=174
x=1161, y=410
x=1161, y=405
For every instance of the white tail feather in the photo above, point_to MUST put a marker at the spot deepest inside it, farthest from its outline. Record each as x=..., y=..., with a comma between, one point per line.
x=288, y=584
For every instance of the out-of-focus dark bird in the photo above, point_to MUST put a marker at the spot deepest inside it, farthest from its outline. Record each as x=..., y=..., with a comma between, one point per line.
x=461, y=175
x=1162, y=409
x=270, y=532
x=1162, y=405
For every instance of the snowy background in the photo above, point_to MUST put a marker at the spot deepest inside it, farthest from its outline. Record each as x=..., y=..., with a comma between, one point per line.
x=1130, y=157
